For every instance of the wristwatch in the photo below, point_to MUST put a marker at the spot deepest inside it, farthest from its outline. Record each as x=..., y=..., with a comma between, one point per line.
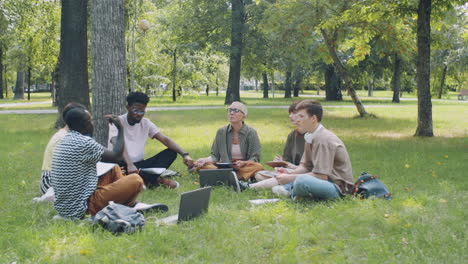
x=184, y=154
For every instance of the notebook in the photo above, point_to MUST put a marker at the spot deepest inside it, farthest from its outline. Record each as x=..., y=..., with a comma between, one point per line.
x=219, y=177
x=192, y=204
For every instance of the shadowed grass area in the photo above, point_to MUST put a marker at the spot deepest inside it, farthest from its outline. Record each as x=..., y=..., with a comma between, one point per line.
x=425, y=222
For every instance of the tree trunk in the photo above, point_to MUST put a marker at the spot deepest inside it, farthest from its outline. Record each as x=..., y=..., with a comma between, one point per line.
x=29, y=83
x=287, y=85
x=207, y=90
x=217, y=84
x=73, y=58
x=396, y=86
x=6, y=81
x=298, y=76
x=55, y=85
x=1, y=73
x=108, y=63
x=423, y=70
x=235, y=57
x=370, y=86
x=174, y=74
x=442, y=82
x=344, y=75
x=19, y=86
x=332, y=84
x=265, y=85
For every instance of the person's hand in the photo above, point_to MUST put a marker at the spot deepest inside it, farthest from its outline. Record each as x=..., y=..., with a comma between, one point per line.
x=278, y=158
x=281, y=170
x=131, y=169
x=241, y=163
x=284, y=178
x=188, y=161
x=289, y=165
x=200, y=163
x=114, y=120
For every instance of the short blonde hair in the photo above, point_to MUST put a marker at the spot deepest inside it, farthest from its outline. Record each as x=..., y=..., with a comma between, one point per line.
x=239, y=106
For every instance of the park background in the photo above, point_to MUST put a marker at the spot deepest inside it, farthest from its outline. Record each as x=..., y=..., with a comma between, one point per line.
x=384, y=71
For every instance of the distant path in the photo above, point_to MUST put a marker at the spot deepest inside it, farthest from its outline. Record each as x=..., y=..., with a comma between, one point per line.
x=174, y=108
x=25, y=103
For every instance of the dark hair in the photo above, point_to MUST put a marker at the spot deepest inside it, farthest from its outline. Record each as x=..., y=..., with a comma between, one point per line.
x=75, y=118
x=137, y=97
x=312, y=107
x=292, y=107
x=70, y=106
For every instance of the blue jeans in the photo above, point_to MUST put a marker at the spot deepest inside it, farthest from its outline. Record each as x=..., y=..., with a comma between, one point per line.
x=309, y=186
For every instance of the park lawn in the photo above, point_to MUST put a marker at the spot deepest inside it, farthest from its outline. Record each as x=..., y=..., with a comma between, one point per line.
x=251, y=98
x=424, y=223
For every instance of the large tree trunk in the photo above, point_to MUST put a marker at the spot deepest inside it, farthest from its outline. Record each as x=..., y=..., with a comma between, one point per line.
x=72, y=85
x=19, y=86
x=344, y=75
x=108, y=63
x=235, y=57
x=287, y=85
x=332, y=84
x=442, y=82
x=423, y=70
x=265, y=85
x=396, y=86
x=1, y=72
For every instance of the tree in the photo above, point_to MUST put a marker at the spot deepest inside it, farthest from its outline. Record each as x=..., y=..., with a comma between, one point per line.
x=423, y=72
x=235, y=54
x=396, y=84
x=72, y=66
x=108, y=63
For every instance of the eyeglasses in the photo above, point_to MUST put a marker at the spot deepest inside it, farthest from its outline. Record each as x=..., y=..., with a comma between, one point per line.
x=136, y=112
x=234, y=110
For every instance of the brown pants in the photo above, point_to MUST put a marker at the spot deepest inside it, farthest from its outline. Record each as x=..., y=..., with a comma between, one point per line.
x=243, y=173
x=114, y=186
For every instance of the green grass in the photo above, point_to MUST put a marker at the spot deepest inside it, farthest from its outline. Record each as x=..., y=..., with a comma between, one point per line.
x=249, y=97
x=426, y=222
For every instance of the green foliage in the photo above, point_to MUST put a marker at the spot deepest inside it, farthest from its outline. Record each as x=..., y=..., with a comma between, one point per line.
x=424, y=223
x=33, y=36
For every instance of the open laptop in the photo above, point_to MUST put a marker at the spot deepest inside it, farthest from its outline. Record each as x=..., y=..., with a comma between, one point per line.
x=219, y=177
x=192, y=204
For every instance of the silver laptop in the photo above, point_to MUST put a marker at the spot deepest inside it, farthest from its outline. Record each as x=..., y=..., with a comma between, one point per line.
x=192, y=204
x=219, y=177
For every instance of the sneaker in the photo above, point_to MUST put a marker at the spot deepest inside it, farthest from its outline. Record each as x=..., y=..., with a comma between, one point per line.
x=169, y=183
x=243, y=185
x=150, y=208
x=280, y=190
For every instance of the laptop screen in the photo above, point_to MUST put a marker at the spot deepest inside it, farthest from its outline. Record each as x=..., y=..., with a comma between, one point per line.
x=194, y=203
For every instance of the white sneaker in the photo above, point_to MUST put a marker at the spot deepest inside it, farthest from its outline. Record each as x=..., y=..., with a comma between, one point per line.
x=280, y=190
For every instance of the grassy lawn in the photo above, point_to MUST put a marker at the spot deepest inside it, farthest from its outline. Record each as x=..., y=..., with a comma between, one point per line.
x=426, y=222
x=249, y=97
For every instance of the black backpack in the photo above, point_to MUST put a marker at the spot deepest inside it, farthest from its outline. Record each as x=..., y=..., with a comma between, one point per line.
x=368, y=185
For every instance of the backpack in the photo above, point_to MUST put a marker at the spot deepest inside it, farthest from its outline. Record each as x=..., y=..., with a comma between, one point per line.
x=119, y=218
x=368, y=185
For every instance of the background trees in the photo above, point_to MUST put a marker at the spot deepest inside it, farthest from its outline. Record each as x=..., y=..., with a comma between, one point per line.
x=195, y=46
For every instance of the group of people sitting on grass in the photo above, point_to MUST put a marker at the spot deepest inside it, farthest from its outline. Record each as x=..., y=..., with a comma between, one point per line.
x=317, y=164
